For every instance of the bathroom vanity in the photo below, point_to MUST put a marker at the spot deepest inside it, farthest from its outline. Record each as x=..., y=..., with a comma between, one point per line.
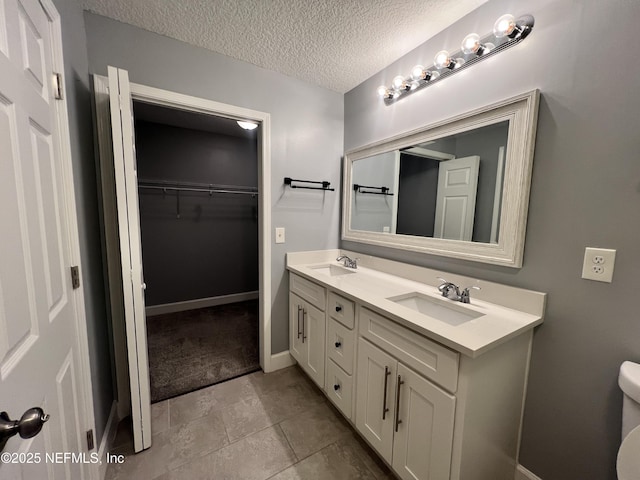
x=435, y=386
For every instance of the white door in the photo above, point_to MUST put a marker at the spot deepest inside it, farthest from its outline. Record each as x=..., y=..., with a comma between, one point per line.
x=124, y=164
x=376, y=384
x=42, y=337
x=313, y=337
x=423, y=441
x=456, y=198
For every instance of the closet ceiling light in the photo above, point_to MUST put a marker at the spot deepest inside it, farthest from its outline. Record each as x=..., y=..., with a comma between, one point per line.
x=507, y=31
x=247, y=125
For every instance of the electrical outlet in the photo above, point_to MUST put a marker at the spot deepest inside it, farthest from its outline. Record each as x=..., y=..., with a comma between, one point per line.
x=598, y=264
x=279, y=234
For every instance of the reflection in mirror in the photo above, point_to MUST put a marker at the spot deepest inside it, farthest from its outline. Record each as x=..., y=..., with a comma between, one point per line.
x=457, y=188
x=449, y=187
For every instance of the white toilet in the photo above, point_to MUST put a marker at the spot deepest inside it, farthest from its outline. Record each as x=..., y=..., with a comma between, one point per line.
x=628, y=464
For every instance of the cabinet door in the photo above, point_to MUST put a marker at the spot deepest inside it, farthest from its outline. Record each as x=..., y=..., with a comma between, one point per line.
x=313, y=330
x=296, y=346
x=424, y=433
x=375, y=385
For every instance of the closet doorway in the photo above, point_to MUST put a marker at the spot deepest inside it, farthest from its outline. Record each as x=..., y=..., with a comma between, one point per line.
x=198, y=197
x=159, y=238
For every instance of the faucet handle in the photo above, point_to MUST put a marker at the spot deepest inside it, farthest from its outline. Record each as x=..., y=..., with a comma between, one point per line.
x=465, y=297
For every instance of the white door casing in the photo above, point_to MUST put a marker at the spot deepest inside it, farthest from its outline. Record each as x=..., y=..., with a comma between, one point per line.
x=124, y=163
x=456, y=198
x=43, y=344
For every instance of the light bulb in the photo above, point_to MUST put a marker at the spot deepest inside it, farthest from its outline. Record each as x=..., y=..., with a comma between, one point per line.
x=443, y=60
x=398, y=83
x=504, y=26
x=413, y=85
x=247, y=125
x=471, y=44
x=382, y=91
x=417, y=72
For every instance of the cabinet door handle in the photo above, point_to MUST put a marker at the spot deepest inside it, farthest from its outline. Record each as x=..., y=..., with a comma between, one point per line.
x=299, y=310
x=336, y=387
x=338, y=308
x=385, y=409
x=398, y=421
x=338, y=344
x=304, y=337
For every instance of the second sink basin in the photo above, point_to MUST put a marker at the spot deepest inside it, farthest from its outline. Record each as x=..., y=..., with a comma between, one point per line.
x=333, y=270
x=441, y=309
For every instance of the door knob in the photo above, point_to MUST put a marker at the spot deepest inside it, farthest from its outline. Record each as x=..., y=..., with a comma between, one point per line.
x=28, y=426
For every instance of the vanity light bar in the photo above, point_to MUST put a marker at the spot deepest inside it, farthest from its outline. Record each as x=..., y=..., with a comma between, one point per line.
x=507, y=32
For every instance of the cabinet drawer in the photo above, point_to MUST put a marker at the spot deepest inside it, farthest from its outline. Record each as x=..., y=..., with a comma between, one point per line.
x=340, y=345
x=313, y=293
x=339, y=388
x=342, y=310
x=430, y=359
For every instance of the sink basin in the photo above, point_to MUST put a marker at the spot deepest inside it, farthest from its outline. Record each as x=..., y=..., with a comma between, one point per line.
x=441, y=309
x=333, y=270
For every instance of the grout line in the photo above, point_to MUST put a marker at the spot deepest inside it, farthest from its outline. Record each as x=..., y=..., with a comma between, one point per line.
x=295, y=455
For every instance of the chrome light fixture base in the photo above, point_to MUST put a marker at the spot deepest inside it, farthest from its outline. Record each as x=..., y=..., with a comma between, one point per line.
x=490, y=45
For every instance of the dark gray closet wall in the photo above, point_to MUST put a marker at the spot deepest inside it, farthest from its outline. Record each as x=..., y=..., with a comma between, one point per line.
x=204, y=245
x=417, y=192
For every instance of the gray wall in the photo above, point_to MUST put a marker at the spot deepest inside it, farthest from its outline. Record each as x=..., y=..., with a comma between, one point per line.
x=417, y=195
x=585, y=192
x=372, y=213
x=306, y=135
x=79, y=103
x=211, y=249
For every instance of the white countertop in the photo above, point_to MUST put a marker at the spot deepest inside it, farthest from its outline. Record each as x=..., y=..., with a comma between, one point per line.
x=372, y=288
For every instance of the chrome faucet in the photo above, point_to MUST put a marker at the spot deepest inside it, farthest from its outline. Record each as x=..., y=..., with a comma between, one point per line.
x=451, y=291
x=348, y=262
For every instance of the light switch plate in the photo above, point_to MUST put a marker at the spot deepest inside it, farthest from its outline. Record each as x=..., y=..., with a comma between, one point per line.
x=598, y=264
x=279, y=234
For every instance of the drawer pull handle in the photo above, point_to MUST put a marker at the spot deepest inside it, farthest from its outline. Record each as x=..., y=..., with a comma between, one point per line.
x=338, y=308
x=336, y=387
x=385, y=409
x=400, y=383
x=338, y=344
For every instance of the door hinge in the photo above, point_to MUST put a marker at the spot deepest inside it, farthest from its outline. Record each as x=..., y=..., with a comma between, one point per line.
x=75, y=277
x=57, y=86
x=90, y=444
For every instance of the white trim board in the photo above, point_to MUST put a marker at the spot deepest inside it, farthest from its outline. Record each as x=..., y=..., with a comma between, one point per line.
x=200, y=303
x=281, y=360
x=524, y=474
x=108, y=437
x=85, y=390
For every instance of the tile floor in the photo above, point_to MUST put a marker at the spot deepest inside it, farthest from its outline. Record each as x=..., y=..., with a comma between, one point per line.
x=277, y=426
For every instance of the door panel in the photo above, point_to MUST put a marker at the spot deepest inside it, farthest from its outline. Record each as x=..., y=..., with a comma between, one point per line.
x=297, y=348
x=314, y=322
x=371, y=397
x=124, y=164
x=456, y=199
x=422, y=444
x=40, y=361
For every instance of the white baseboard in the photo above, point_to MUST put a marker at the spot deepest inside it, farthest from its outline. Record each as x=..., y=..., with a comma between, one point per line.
x=281, y=360
x=200, y=303
x=524, y=474
x=108, y=437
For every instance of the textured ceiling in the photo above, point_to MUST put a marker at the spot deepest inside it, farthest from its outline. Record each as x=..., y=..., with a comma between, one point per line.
x=336, y=44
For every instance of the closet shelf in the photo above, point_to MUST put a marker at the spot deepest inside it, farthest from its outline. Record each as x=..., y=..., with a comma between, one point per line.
x=209, y=188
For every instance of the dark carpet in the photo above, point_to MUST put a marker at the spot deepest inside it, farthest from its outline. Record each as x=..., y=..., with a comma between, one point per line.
x=197, y=348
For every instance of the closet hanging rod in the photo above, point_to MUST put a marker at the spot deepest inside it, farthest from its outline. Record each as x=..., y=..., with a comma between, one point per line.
x=211, y=188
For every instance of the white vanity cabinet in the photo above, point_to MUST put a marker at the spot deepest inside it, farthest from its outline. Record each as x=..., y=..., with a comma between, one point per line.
x=438, y=399
x=408, y=419
x=307, y=326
